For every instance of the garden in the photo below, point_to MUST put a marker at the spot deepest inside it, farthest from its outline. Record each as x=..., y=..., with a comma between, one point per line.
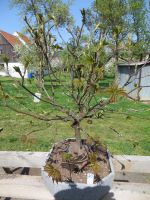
x=123, y=126
x=75, y=102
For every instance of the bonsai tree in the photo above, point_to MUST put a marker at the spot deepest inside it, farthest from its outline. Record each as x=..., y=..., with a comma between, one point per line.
x=84, y=58
x=84, y=67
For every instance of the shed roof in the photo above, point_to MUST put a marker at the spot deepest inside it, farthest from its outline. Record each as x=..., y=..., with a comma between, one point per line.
x=133, y=64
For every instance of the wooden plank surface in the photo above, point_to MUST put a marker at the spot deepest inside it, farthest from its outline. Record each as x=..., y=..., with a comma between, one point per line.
x=22, y=159
x=32, y=187
x=136, y=164
x=137, y=169
x=133, y=177
x=24, y=187
x=129, y=191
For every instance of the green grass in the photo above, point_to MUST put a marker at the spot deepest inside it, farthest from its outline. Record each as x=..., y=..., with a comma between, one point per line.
x=23, y=133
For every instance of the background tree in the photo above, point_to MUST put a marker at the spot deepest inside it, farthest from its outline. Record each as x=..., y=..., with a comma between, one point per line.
x=139, y=28
x=41, y=18
x=125, y=26
x=112, y=25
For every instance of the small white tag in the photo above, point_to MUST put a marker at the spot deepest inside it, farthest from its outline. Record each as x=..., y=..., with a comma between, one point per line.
x=90, y=178
x=37, y=99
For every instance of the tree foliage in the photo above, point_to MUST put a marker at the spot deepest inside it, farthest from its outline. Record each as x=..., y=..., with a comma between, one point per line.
x=125, y=26
x=41, y=18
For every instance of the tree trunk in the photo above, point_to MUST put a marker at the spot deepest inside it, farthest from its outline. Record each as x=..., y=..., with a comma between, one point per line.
x=7, y=68
x=116, y=62
x=40, y=77
x=76, y=127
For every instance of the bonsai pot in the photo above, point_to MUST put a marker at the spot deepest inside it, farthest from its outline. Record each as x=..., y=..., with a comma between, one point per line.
x=79, y=191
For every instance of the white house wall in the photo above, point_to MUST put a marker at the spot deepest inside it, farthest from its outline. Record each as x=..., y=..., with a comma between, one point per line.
x=12, y=72
x=3, y=72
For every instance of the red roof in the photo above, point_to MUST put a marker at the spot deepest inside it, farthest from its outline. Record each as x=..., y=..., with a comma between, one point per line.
x=23, y=37
x=14, y=40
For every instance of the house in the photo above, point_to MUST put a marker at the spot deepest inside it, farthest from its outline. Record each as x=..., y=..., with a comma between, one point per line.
x=135, y=78
x=7, y=45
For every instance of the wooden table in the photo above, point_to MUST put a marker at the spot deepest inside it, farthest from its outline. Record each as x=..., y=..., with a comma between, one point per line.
x=20, y=177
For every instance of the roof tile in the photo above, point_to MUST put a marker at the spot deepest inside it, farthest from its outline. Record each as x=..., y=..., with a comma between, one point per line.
x=14, y=40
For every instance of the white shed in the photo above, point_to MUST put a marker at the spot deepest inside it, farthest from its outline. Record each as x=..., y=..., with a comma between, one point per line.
x=136, y=79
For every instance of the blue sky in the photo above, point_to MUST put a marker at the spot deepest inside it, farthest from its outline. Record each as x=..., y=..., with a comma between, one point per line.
x=10, y=21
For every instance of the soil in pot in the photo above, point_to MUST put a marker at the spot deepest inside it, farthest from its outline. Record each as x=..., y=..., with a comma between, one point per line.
x=69, y=163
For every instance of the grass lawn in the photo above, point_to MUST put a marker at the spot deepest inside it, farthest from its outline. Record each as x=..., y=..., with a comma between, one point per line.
x=125, y=126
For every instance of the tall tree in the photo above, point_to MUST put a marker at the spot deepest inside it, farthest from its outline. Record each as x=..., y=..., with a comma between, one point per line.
x=112, y=14
x=124, y=25
x=139, y=27
x=41, y=18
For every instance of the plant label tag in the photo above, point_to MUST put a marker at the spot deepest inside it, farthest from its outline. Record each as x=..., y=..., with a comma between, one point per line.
x=37, y=100
x=90, y=178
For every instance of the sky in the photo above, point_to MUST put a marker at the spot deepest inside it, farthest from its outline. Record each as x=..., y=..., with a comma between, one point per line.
x=10, y=21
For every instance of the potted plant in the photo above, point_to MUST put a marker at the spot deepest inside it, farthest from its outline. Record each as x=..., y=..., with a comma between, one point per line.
x=76, y=168
x=76, y=174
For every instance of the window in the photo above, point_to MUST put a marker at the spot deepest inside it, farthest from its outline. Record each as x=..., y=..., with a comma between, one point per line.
x=132, y=70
